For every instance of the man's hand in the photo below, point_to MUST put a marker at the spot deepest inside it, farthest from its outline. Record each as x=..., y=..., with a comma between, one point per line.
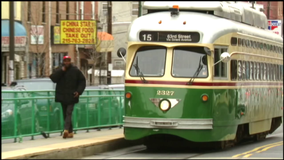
x=63, y=68
x=76, y=94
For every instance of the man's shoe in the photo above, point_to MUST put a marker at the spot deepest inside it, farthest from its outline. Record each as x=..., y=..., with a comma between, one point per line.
x=70, y=135
x=65, y=134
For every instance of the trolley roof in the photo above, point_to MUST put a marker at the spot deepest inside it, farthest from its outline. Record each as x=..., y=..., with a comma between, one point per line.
x=209, y=26
x=235, y=11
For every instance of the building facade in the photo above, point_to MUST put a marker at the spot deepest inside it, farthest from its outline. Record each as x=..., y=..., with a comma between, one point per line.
x=120, y=21
x=20, y=42
x=39, y=19
x=273, y=10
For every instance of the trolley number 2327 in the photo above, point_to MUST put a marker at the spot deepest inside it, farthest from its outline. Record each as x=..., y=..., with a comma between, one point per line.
x=166, y=93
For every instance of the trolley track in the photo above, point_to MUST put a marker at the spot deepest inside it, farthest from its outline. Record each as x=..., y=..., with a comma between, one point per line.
x=244, y=149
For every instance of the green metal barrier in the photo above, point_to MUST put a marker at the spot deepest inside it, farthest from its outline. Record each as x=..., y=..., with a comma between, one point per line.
x=28, y=113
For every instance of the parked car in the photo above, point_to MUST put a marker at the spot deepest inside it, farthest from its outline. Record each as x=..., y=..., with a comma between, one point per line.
x=45, y=106
x=99, y=108
x=23, y=113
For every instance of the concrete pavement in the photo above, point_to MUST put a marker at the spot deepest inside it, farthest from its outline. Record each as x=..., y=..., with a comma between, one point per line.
x=81, y=145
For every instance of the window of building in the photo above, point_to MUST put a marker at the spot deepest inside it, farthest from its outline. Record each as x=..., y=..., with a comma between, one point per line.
x=234, y=70
x=57, y=59
x=234, y=41
x=43, y=12
x=29, y=11
x=57, y=12
x=67, y=10
x=135, y=8
x=105, y=12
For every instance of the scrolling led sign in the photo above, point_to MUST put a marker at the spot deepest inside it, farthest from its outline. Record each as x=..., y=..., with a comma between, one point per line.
x=153, y=36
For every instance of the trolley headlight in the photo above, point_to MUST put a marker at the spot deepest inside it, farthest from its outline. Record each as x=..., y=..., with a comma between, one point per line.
x=165, y=105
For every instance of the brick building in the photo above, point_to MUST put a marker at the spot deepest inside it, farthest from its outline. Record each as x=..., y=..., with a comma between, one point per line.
x=43, y=55
x=20, y=42
x=275, y=9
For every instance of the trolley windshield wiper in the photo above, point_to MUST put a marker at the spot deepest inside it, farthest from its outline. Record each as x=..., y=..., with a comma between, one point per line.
x=200, y=66
x=139, y=73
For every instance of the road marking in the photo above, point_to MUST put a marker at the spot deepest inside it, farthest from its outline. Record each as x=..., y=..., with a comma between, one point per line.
x=246, y=156
x=265, y=147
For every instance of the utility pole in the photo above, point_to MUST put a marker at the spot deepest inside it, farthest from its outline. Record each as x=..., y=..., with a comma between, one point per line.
x=12, y=42
x=139, y=8
x=109, y=29
x=49, y=37
x=268, y=10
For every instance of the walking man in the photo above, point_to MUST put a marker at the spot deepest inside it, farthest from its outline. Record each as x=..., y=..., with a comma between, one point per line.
x=70, y=84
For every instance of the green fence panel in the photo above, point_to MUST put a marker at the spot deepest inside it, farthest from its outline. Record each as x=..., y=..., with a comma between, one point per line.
x=36, y=112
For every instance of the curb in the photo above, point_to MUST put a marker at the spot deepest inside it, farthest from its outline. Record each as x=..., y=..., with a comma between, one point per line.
x=71, y=150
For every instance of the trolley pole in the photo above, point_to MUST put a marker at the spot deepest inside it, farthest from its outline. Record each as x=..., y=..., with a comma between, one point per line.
x=11, y=43
x=109, y=29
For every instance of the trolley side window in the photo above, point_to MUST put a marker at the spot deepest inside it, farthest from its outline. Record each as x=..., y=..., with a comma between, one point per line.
x=220, y=69
x=150, y=60
x=186, y=62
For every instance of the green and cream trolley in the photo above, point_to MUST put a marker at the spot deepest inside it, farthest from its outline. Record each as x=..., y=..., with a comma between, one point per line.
x=203, y=73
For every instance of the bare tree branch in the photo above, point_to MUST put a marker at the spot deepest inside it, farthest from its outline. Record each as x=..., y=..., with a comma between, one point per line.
x=98, y=55
x=38, y=50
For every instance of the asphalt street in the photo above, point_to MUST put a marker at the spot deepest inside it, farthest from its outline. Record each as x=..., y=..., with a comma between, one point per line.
x=270, y=148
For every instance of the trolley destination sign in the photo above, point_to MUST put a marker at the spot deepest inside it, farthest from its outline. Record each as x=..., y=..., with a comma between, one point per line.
x=167, y=36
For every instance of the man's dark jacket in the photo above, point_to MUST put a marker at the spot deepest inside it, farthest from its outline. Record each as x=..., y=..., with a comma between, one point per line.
x=67, y=83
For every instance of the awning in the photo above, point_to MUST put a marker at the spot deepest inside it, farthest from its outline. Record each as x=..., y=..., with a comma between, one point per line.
x=20, y=36
x=20, y=30
x=105, y=42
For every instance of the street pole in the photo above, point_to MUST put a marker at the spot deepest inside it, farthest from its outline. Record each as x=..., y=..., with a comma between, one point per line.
x=268, y=10
x=11, y=43
x=109, y=28
x=140, y=9
x=49, y=37
x=76, y=46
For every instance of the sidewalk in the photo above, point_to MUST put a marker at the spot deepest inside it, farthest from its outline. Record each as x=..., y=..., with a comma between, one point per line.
x=56, y=144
